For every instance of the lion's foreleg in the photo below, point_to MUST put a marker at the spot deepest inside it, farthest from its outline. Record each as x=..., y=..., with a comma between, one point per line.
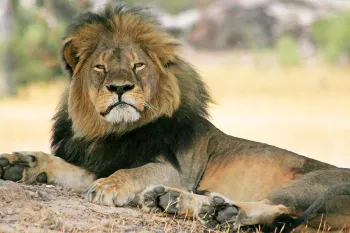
x=121, y=187
x=32, y=167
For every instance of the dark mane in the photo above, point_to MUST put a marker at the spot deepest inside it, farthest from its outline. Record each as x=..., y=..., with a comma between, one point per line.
x=165, y=136
x=103, y=17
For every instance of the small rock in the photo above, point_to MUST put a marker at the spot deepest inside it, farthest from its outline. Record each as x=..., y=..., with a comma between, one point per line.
x=42, y=194
x=37, y=207
x=33, y=194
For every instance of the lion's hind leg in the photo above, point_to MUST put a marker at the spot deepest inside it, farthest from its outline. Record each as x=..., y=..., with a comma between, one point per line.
x=32, y=167
x=322, y=198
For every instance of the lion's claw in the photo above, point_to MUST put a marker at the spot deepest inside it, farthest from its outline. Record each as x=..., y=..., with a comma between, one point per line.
x=107, y=191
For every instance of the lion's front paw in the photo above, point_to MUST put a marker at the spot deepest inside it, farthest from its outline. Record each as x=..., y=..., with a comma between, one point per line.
x=219, y=213
x=159, y=197
x=22, y=167
x=110, y=192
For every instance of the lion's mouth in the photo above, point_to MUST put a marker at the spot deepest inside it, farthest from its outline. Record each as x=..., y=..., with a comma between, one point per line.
x=109, y=109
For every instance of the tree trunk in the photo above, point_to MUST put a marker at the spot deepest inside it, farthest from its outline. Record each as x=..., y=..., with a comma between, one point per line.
x=7, y=18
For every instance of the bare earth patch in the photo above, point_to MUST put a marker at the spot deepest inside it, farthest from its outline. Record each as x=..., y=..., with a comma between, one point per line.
x=48, y=208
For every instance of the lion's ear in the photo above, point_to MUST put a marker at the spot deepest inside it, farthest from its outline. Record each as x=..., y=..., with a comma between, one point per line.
x=69, y=54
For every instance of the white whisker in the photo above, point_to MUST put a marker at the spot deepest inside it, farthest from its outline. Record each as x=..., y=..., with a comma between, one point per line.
x=150, y=107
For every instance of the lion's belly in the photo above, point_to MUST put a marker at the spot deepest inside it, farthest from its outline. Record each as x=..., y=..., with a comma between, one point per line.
x=245, y=179
x=244, y=170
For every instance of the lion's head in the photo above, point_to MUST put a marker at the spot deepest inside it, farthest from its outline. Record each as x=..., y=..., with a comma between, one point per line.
x=122, y=72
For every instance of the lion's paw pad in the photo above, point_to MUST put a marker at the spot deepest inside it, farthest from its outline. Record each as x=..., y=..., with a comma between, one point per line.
x=160, y=198
x=12, y=166
x=218, y=213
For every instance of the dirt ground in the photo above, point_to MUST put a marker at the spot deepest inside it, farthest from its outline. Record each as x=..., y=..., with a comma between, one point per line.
x=48, y=208
x=305, y=110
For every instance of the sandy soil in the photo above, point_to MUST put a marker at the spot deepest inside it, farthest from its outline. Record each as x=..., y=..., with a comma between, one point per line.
x=305, y=110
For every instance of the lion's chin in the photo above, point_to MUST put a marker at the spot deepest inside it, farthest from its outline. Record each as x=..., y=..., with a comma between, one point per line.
x=122, y=113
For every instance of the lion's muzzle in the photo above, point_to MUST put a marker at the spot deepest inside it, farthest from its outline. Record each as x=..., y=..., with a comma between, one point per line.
x=112, y=106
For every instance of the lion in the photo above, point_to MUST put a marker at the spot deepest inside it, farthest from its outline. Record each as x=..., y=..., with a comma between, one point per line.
x=132, y=128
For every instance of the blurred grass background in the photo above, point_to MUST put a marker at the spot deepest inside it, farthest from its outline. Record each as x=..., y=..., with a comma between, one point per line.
x=273, y=94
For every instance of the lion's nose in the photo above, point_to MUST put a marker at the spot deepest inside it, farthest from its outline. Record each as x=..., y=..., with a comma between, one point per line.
x=120, y=90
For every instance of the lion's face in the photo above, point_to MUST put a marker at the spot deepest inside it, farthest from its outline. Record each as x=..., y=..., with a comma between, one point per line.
x=121, y=77
x=120, y=82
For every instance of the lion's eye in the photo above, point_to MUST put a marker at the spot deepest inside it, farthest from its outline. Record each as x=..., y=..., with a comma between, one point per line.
x=139, y=66
x=99, y=68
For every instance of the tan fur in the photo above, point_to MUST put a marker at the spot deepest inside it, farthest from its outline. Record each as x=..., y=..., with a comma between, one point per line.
x=230, y=177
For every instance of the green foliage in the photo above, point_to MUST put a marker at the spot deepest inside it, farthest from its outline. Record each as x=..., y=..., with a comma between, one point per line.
x=332, y=36
x=32, y=52
x=177, y=6
x=287, y=51
x=170, y=6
